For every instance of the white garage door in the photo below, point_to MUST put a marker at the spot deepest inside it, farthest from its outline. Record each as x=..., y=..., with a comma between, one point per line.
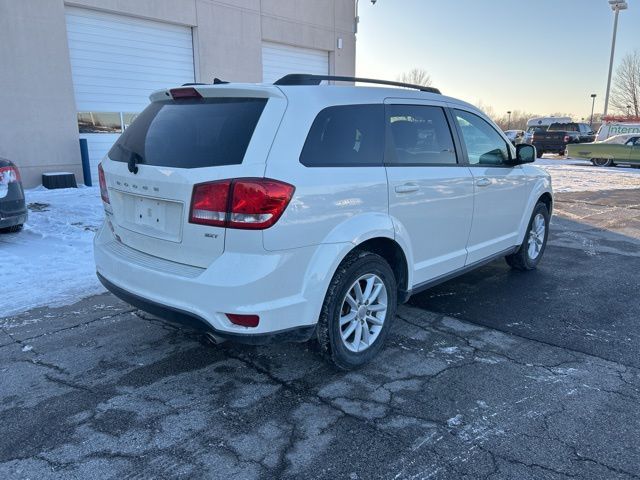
x=116, y=62
x=279, y=60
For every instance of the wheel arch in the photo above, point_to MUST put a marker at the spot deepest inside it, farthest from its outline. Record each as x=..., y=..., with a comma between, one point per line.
x=541, y=192
x=395, y=256
x=547, y=199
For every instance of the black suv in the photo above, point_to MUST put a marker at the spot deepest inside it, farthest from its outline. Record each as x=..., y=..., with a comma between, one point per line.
x=558, y=135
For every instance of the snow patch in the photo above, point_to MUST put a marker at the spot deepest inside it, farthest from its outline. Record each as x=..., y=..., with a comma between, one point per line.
x=50, y=262
x=455, y=421
x=572, y=175
x=449, y=350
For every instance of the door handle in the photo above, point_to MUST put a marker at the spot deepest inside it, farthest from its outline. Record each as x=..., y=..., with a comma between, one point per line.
x=483, y=182
x=407, y=188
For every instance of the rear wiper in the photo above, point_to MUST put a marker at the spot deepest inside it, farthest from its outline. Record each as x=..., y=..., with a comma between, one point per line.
x=132, y=163
x=134, y=158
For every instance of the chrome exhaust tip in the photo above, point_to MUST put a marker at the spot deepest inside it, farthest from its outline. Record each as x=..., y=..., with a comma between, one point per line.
x=213, y=339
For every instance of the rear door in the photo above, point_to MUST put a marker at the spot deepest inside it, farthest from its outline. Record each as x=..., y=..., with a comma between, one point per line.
x=172, y=146
x=634, y=154
x=501, y=191
x=430, y=193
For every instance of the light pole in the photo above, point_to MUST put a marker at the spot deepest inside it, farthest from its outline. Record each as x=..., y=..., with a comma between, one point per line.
x=628, y=110
x=509, y=122
x=616, y=6
x=593, y=104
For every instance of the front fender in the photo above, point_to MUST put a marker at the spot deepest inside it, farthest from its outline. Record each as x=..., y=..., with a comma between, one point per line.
x=541, y=186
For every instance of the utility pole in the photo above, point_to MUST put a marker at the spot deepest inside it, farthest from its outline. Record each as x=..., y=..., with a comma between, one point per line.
x=616, y=6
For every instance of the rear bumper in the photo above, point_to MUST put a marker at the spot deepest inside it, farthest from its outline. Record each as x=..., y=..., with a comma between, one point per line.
x=13, y=220
x=550, y=147
x=282, y=288
x=187, y=319
x=13, y=208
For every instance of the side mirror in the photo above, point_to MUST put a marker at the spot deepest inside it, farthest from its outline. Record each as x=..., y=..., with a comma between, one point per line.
x=525, y=153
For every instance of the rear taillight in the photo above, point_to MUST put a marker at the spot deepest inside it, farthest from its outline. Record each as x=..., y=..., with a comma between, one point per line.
x=104, y=193
x=259, y=203
x=9, y=175
x=209, y=203
x=245, y=203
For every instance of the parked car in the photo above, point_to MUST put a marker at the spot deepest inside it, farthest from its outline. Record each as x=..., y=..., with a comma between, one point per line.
x=13, y=210
x=618, y=150
x=516, y=136
x=541, y=123
x=284, y=212
x=556, y=138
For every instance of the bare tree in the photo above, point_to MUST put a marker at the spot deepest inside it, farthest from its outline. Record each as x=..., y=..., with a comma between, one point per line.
x=487, y=109
x=518, y=120
x=417, y=76
x=626, y=85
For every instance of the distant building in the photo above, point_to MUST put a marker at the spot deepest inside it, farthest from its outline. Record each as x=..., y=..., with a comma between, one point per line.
x=85, y=68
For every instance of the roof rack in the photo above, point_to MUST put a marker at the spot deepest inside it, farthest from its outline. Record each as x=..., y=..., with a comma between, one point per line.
x=307, y=79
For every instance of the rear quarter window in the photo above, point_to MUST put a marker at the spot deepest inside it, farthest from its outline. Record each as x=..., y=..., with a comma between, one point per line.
x=346, y=136
x=190, y=133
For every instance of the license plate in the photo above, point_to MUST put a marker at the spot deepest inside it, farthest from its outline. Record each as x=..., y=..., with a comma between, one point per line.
x=150, y=213
x=148, y=216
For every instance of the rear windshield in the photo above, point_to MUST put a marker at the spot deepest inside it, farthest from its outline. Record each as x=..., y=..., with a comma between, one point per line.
x=537, y=128
x=564, y=127
x=190, y=133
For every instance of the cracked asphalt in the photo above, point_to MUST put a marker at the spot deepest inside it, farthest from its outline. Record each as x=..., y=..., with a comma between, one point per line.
x=495, y=375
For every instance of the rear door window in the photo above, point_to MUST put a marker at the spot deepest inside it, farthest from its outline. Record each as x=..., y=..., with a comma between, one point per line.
x=420, y=136
x=190, y=133
x=346, y=136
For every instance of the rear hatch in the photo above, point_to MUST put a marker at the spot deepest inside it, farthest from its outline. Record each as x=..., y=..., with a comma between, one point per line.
x=183, y=138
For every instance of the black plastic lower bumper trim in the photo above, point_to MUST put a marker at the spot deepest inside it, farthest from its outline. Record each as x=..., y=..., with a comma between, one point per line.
x=182, y=318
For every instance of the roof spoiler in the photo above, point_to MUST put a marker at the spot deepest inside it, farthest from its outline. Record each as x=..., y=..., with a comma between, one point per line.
x=307, y=79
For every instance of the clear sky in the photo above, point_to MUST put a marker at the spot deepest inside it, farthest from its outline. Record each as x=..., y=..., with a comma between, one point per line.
x=540, y=56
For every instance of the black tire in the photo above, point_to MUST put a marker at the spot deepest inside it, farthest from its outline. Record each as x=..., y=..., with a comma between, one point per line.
x=520, y=260
x=13, y=229
x=539, y=153
x=356, y=264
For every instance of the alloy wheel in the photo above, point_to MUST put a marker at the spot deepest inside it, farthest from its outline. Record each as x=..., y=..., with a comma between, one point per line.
x=536, y=236
x=363, y=312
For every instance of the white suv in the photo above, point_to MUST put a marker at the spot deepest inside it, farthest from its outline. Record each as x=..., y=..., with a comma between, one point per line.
x=282, y=212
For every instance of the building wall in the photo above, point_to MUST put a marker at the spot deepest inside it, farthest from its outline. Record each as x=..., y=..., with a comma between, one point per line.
x=38, y=127
x=38, y=124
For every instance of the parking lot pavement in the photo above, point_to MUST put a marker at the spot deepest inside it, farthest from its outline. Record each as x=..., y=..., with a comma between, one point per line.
x=537, y=377
x=584, y=295
x=105, y=394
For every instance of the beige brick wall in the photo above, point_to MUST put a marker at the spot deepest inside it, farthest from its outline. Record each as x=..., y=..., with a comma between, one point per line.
x=38, y=127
